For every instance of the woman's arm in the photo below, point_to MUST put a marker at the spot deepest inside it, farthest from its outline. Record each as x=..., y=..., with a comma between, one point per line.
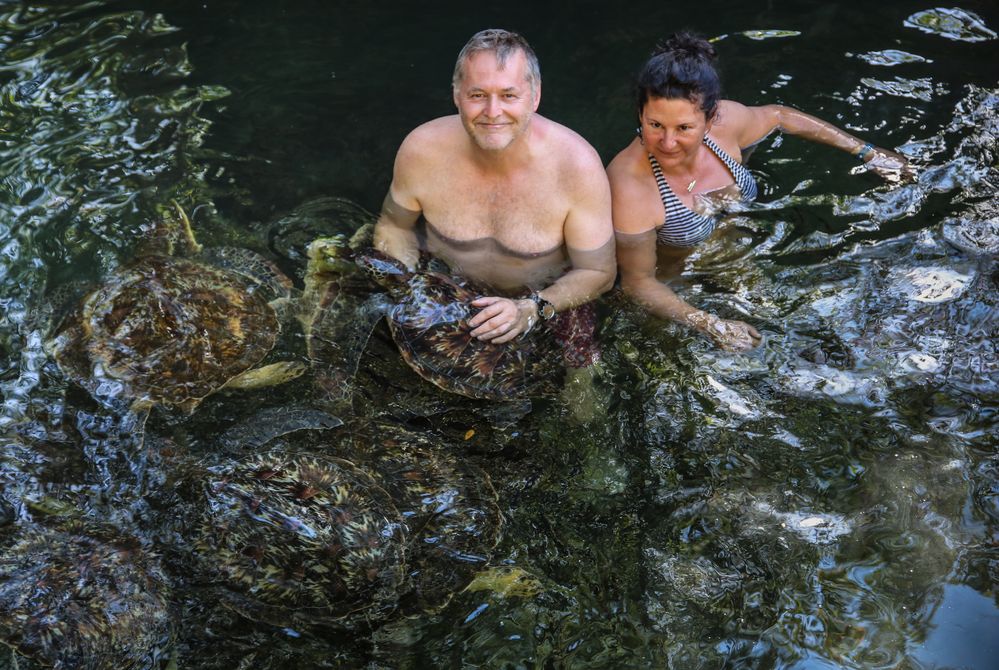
x=751, y=124
x=636, y=262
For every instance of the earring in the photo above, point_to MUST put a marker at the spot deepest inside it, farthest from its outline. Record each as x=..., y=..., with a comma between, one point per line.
x=641, y=138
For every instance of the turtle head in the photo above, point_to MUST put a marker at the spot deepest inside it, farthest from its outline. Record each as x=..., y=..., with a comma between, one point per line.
x=382, y=268
x=329, y=254
x=170, y=233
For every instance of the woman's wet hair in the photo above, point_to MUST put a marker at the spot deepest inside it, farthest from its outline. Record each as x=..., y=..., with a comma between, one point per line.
x=681, y=67
x=503, y=43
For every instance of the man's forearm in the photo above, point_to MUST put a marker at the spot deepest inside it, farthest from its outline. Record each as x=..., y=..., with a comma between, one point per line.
x=577, y=287
x=397, y=242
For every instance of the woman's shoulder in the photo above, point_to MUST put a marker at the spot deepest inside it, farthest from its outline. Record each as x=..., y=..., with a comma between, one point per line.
x=731, y=119
x=629, y=165
x=634, y=196
x=742, y=125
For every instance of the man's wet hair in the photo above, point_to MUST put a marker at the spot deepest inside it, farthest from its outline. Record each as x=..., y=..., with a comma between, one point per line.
x=503, y=43
x=681, y=68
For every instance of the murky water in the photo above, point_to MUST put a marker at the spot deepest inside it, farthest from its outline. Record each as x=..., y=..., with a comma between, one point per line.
x=829, y=500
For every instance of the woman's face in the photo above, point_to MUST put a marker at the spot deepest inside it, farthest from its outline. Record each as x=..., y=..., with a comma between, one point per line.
x=673, y=129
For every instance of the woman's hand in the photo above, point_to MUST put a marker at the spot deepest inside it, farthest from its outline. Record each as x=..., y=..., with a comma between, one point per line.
x=889, y=165
x=727, y=335
x=501, y=319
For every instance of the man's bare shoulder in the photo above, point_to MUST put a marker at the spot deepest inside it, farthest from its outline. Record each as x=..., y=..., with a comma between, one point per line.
x=566, y=145
x=433, y=136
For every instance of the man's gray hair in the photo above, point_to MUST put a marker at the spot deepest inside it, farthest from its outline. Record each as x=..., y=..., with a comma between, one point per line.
x=503, y=43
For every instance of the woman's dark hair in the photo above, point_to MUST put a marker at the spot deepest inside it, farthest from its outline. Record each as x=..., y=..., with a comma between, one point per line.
x=682, y=67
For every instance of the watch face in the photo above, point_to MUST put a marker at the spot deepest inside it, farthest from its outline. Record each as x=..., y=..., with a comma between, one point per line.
x=546, y=310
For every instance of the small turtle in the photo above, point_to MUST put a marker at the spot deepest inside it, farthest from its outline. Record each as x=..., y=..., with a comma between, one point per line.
x=335, y=310
x=83, y=598
x=302, y=540
x=428, y=314
x=290, y=236
x=974, y=236
x=169, y=330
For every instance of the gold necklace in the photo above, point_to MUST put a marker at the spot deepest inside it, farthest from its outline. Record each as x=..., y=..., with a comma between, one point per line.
x=690, y=186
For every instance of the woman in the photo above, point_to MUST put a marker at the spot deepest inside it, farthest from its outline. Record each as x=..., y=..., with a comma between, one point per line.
x=686, y=160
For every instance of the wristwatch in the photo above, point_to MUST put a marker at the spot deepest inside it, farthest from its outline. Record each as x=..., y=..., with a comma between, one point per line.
x=546, y=310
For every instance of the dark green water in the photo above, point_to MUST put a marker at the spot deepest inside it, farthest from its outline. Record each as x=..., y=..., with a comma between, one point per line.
x=828, y=501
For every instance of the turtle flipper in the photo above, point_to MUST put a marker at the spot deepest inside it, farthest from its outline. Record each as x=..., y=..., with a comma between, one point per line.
x=132, y=430
x=504, y=415
x=274, y=422
x=267, y=375
x=506, y=582
x=338, y=336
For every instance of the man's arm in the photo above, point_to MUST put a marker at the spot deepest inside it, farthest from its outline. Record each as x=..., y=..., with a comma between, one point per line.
x=589, y=238
x=395, y=230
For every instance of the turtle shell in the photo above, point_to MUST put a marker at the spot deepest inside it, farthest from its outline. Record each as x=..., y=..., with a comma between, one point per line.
x=448, y=504
x=83, y=601
x=429, y=323
x=303, y=540
x=448, y=509
x=166, y=330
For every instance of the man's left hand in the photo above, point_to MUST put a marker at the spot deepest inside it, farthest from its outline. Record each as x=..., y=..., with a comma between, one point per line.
x=500, y=320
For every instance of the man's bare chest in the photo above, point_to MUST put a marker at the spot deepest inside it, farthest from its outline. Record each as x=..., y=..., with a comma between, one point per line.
x=526, y=213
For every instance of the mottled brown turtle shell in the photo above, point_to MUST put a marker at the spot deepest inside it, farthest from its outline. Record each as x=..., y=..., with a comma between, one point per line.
x=166, y=330
x=428, y=319
x=449, y=507
x=83, y=599
x=303, y=540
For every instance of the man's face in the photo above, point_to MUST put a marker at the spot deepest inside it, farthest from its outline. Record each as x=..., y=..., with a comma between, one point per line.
x=495, y=105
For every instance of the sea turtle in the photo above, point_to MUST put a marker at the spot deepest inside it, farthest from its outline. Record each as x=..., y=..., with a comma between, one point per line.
x=427, y=313
x=302, y=540
x=290, y=236
x=170, y=330
x=975, y=232
x=336, y=310
x=85, y=598
x=448, y=510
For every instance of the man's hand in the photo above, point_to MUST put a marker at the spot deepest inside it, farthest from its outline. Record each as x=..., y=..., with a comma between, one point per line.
x=501, y=319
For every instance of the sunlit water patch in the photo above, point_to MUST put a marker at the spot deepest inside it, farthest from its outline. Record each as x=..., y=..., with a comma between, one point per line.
x=952, y=23
x=891, y=57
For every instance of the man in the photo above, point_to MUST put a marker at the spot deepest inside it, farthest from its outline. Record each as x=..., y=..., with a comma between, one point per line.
x=508, y=198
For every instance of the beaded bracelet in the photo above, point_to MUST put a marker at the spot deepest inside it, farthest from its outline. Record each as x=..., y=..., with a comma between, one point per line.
x=864, y=150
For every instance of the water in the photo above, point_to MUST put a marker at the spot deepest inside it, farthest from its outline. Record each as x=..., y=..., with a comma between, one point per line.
x=829, y=500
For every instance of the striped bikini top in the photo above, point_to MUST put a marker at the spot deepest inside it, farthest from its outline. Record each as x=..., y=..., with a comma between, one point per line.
x=684, y=227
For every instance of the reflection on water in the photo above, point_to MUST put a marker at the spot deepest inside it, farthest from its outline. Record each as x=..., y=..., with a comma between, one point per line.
x=828, y=500
x=954, y=24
